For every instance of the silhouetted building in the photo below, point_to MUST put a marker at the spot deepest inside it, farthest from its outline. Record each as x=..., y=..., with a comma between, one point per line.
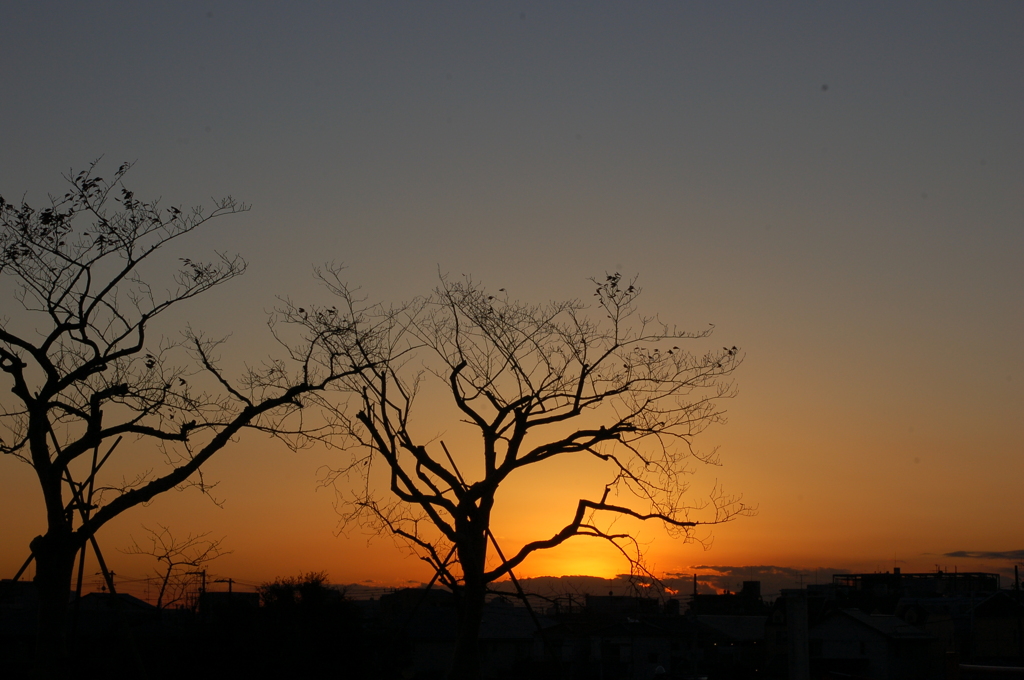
x=997, y=630
x=880, y=592
x=19, y=603
x=731, y=646
x=808, y=635
x=227, y=608
x=879, y=646
x=746, y=602
x=619, y=646
x=601, y=605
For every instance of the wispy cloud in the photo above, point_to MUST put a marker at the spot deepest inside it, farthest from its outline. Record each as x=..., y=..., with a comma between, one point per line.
x=1014, y=555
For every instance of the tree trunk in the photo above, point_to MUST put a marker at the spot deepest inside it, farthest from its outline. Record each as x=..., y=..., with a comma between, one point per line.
x=55, y=563
x=470, y=608
x=466, y=660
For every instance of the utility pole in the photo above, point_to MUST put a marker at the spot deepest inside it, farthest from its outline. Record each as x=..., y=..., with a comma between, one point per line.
x=229, y=581
x=202, y=586
x=202, y=597
x=1020, y=619
x=108, y=580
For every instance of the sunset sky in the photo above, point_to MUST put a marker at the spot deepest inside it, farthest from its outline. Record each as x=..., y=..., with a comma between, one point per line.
x=837, y=187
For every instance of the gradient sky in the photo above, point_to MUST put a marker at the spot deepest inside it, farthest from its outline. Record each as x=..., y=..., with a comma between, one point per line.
x=838, y=187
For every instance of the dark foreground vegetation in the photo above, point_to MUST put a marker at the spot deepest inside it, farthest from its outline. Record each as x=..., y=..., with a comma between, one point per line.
x=898, y=626
x=291, y=629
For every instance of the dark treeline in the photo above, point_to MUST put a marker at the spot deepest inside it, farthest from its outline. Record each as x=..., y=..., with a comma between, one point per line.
x=879, y=625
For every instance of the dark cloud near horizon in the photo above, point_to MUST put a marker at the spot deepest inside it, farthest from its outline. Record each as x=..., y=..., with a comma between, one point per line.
x=1015, y=555
x=767, y=569
x=773, y=579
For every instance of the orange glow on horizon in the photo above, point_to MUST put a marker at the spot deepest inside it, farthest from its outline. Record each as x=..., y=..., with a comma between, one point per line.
x=579, y=559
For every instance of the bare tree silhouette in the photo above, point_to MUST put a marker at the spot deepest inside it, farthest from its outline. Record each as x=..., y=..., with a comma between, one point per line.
x=175, y=558
x=92, y=383
x=533, y=383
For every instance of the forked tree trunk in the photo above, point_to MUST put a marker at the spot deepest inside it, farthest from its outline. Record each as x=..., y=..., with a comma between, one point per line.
x=55, y=562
